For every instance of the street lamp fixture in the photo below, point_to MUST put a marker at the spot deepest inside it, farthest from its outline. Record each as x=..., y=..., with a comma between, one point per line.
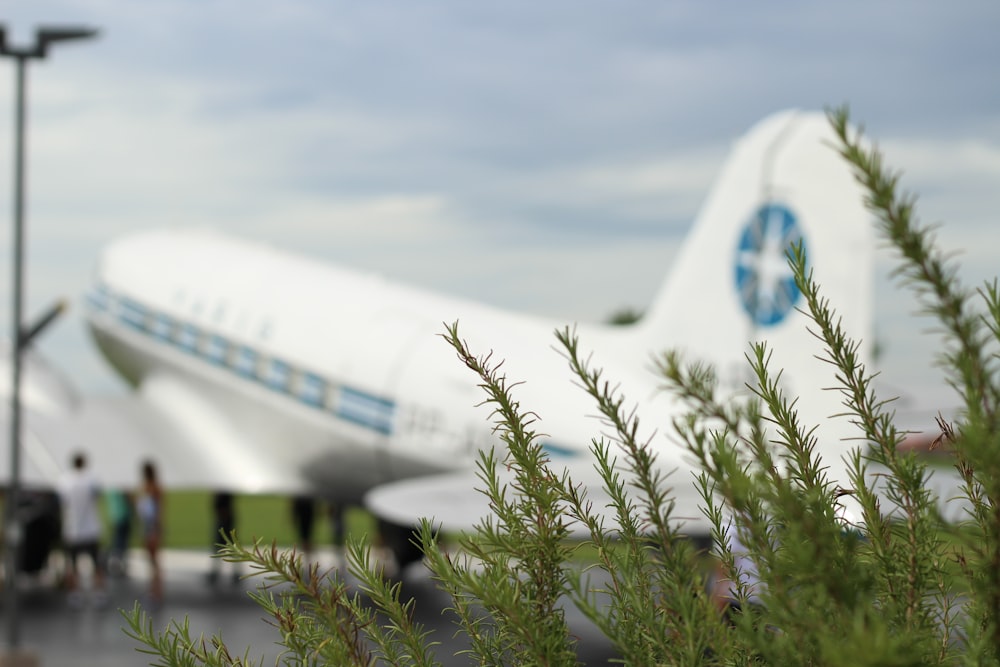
x=43, y=37
x=13, y=530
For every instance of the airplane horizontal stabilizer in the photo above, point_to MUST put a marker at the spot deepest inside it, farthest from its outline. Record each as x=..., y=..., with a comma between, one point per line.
x=455, y=502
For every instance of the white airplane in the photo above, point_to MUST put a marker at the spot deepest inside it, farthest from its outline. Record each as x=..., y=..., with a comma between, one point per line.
x=259, y=371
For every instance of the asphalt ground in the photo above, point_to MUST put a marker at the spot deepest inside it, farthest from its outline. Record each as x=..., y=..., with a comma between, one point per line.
x=60, y=634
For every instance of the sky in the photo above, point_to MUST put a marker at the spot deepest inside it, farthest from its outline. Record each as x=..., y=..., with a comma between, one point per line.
x=547, y=157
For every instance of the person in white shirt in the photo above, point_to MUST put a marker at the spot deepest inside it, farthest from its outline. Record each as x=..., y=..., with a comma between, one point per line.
x=80, y=497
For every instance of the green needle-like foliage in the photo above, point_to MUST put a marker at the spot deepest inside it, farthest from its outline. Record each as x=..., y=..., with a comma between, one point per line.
x=898, y=587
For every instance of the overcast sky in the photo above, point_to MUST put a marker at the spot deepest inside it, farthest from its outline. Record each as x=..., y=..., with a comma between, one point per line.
x=543, y=156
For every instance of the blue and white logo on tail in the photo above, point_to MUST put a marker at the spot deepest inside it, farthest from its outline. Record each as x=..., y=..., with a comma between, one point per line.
x=764, y=281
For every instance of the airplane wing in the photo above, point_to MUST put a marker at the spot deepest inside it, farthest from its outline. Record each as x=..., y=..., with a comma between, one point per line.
x=167, y=422
x=454, y=500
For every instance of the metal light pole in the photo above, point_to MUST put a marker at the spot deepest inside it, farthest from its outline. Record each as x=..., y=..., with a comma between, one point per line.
x=13, y=530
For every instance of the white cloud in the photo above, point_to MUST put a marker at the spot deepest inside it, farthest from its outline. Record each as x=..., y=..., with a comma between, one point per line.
x=488, y=150
x=954, y=181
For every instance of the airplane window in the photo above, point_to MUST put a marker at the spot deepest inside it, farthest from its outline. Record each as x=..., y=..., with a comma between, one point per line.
x=162, y=327
x=217, y=349
x=133, y=314
x=188, y=337
x=99, y=297
x=246, y=362
x=313, y=390
x=366, y=410
x=555, y=450
x=278, y=374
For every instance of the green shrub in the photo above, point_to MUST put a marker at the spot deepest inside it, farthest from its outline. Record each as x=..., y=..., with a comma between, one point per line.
x=901, y=588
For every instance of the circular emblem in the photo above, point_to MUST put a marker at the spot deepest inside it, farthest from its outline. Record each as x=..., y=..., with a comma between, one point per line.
x=764, y=280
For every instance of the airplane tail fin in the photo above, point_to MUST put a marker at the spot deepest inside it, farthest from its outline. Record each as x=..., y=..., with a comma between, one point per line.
x=783, y=183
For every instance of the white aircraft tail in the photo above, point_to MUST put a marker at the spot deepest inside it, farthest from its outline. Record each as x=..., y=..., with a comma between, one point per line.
x=783, y=183
x=731, y=285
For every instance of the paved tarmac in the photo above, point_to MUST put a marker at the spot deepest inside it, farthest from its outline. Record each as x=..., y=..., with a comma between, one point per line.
x=92, y=636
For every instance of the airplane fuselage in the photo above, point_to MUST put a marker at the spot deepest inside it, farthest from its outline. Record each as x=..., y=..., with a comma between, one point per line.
x=339, y=379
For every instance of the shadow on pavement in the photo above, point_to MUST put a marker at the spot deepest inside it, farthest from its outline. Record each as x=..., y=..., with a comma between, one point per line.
x=92, y=635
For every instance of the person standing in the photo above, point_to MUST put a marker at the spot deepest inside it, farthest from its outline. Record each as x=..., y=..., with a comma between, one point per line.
x=224, y=510
x=119, y=509
x=304, y=516
x=149, y=507
x=80, y=495
x=337, y=527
